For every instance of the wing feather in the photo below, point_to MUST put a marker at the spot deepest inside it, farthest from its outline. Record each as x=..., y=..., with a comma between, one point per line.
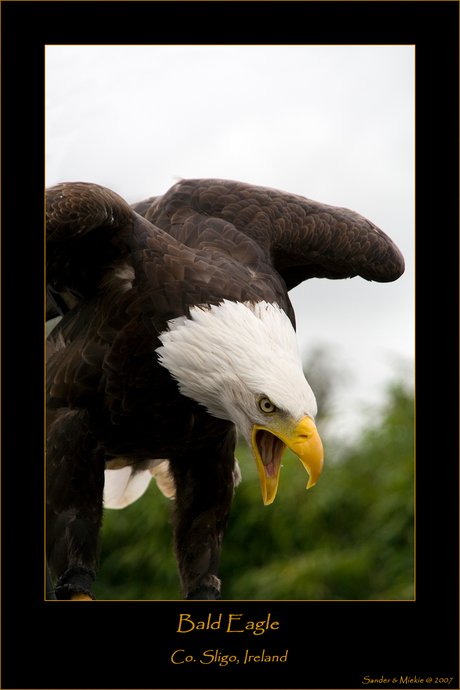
x=200, y=221
x=300, y=238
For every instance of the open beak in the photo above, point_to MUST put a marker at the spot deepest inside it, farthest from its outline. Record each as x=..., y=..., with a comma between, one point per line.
x=269, y=447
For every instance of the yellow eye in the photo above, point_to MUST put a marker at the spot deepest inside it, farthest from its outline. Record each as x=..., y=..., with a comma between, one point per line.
x=266, y=405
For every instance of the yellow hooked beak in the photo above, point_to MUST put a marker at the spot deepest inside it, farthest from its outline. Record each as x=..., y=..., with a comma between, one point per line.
x=269, y=447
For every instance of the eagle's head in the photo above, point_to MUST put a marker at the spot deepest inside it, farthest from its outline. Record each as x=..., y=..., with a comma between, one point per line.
x=241, y=361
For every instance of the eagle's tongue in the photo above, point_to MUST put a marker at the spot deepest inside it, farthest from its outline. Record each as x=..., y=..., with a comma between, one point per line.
x=271, y=450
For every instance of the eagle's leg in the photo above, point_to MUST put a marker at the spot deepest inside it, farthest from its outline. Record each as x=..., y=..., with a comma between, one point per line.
x=75, y=483
x=204, y=493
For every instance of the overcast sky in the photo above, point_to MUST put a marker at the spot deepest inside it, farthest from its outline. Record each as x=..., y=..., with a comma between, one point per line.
x=332, y=123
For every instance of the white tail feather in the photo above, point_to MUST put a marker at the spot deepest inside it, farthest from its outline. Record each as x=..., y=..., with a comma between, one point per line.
x=124, y=485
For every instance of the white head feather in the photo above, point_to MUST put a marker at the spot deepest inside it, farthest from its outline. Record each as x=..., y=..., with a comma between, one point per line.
x=227, y=357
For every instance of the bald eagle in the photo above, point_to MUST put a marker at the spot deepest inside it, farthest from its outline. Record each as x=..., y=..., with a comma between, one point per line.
x=177, y=329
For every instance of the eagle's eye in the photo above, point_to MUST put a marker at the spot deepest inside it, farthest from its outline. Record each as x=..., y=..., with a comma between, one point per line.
x=266, y=405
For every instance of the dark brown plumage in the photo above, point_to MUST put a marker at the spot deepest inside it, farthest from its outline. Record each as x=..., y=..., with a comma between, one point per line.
x=121, y=274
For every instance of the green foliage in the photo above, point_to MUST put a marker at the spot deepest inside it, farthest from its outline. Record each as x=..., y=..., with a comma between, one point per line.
x=349, y=537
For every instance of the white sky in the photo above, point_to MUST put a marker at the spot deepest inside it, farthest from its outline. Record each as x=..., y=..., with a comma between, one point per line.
x=332, y=123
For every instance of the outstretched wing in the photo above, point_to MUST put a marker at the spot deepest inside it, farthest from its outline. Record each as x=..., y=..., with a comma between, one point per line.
x=204, y=241
x=300, y=238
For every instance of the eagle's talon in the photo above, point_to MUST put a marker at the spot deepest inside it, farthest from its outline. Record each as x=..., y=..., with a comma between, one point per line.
x=204, y=592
